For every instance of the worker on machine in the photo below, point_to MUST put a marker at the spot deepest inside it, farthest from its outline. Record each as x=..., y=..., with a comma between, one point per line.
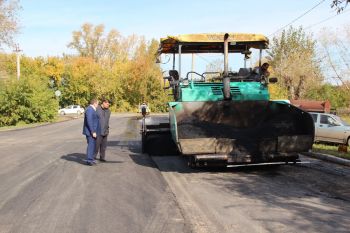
x=264, y=70
x=143, y=109
x=260, y=73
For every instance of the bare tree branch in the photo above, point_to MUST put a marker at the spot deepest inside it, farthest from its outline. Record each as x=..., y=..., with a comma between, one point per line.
x=339, y=5
x=8, y=21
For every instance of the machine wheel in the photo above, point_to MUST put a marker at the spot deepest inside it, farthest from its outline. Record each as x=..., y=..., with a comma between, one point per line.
x=78, y=112
x=348, y=143
x=192, y=162
x=143, y=143
x=62, y=113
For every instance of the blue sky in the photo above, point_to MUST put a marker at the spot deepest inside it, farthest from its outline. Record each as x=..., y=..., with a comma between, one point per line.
x=46, y=26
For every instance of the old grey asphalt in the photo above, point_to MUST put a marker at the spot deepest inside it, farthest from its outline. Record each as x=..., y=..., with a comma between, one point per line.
x=45, y=187
x=311, y=197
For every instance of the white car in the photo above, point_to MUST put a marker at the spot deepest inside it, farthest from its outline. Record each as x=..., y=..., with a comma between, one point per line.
x=72, y=109
x=331, y=128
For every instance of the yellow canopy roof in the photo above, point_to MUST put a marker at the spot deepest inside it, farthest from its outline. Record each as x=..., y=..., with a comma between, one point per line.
x=212, y=42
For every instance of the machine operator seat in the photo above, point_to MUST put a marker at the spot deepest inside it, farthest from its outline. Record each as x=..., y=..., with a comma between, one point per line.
x=244, y=72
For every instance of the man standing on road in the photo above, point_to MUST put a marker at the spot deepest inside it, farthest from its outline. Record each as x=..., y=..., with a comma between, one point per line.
x=101, y=143
x=91, y=130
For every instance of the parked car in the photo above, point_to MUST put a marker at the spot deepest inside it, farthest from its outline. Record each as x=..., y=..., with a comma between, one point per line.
x=72, y=109
x=331, y=128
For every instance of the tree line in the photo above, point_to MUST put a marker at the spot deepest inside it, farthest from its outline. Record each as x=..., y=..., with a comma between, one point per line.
x=123, y=70
x=311, y=69
x=107, y=65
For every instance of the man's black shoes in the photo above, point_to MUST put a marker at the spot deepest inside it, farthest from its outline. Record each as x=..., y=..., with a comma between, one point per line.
x=89, y=163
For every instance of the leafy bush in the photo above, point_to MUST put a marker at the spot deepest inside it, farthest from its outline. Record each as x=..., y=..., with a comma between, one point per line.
x=28, y=100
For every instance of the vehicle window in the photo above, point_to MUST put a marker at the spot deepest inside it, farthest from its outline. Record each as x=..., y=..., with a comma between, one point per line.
x=75, y=106
x=332, y=121
x=324, y=119
x=342, y=121
x=314, y=116
x=328, y=120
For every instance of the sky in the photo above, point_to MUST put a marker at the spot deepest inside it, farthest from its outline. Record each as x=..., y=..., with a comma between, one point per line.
x=47, y=26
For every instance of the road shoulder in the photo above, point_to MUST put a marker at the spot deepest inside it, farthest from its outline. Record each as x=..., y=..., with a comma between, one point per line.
x=328, y=158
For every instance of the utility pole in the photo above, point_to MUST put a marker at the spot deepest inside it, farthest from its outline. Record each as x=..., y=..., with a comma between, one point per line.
x=18, y=55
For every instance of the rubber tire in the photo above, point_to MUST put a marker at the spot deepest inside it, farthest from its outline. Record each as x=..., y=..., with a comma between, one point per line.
x=78, y=112
x=191, y=162
x=348, y=142
x=62, y=113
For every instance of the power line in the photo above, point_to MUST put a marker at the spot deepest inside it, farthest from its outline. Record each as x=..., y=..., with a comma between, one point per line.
x=203, y=58
x=302, y=15
x=322, y=21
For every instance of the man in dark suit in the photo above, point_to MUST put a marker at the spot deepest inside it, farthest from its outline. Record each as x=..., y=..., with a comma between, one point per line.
x=91, y=130
x=104, y=114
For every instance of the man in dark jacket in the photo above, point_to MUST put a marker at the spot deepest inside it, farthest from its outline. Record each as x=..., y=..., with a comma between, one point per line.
x=91, y=130
x=101, y=143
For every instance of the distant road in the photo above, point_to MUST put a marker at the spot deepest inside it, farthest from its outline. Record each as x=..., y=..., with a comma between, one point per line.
x=45, y=187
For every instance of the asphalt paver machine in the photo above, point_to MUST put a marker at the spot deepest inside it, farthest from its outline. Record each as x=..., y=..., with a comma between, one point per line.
x=223, y=118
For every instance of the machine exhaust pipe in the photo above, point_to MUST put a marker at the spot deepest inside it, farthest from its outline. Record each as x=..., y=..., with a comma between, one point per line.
x=226, y=54
x=226, y=78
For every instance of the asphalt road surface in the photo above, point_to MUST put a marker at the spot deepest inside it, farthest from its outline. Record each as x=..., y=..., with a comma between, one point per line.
x=45, y=187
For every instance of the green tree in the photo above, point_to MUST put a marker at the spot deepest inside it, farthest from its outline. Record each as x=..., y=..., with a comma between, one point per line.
x=91, y=41
x=142, y=82
x=338, y=96
x=53, y=69
x=76, y=84
x=293, y=59
x=28, y=100
x=29, y=66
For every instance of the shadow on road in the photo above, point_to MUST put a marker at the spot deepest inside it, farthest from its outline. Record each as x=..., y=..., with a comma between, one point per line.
x=75, y=157
x=132, y=146
x=143, y=160
x=81, y=158
x=135, y=148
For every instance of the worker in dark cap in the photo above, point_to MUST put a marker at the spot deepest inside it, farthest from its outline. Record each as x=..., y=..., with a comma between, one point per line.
x=264, y=70
x=261, y=73
x=104, y=114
